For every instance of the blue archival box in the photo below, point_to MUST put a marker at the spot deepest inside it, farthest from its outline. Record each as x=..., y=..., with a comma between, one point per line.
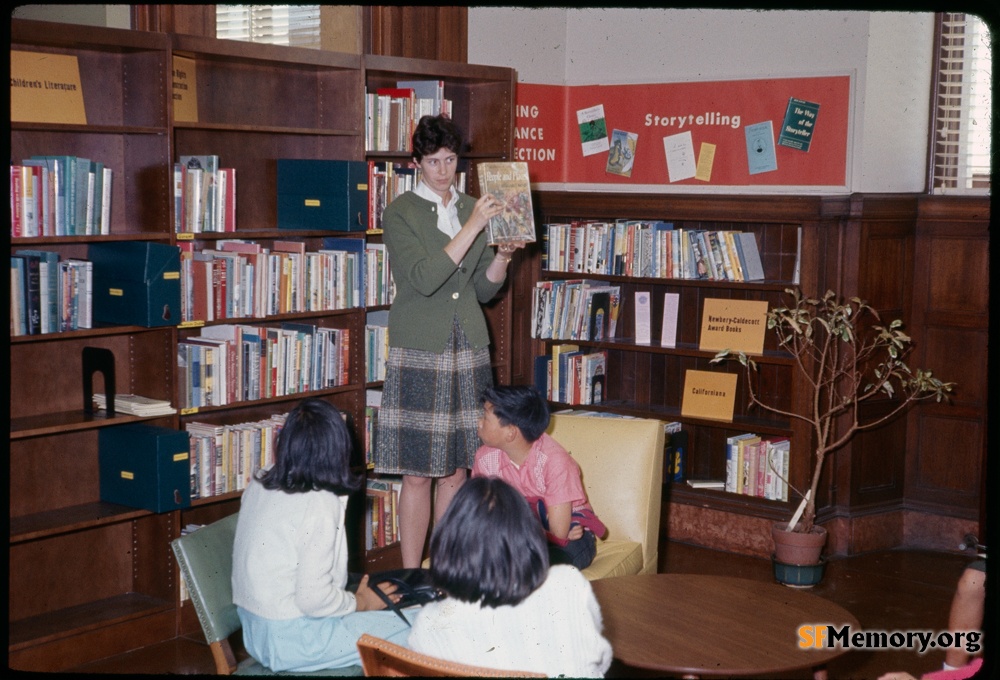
x=136, y=283
x=330, y=195
x=145, y=466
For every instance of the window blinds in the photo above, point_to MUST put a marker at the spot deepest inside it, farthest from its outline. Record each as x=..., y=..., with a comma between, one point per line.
x=294, y=25
x=960, y=147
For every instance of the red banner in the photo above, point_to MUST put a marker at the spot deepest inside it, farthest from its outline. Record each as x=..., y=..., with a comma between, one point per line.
x=686, y=125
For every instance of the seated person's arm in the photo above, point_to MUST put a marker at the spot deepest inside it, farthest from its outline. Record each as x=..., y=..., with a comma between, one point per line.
x=561, y=522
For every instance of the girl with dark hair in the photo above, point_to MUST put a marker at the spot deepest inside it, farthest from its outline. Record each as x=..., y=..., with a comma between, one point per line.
x=290, y=552
x=505, y=608
x=438, y=362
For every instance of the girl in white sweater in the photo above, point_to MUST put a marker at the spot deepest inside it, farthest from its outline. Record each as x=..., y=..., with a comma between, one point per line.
x=505, y=608
x=290, y=554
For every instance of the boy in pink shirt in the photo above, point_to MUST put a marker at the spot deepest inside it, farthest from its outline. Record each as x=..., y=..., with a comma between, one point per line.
x=517, y=450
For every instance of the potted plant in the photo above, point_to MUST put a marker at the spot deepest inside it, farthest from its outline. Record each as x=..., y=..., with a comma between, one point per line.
x=844, y=357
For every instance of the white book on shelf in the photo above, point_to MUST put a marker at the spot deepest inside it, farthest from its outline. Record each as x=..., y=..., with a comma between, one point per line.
x=642, y=313
x=668, y=334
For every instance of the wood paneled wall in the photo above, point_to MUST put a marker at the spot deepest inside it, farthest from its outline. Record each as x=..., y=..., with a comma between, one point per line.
x=440, y=33
x=418, y=32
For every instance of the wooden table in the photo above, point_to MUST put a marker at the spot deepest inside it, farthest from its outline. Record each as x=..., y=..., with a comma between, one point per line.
x=694, y=625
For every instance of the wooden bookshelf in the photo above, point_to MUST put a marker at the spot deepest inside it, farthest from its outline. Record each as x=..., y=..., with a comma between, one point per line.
x=85, y=574
x=90, y=579
x=893, y=250
x=646, y=380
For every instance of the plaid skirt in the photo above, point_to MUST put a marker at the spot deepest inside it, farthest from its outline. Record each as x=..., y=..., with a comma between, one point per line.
x=430, y=407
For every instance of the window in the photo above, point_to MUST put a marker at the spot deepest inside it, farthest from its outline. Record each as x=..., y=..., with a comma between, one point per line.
x=961, y=120
x=295, y=25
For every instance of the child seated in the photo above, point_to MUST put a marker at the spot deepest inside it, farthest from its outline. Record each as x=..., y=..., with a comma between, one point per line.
x=517, y=450
x=290, y=553
x=504, y=607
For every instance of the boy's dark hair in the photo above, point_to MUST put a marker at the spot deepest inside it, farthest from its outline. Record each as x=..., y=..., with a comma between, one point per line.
x=434, y=133
x=489, y=547
x=521, y=406
x=313, y=452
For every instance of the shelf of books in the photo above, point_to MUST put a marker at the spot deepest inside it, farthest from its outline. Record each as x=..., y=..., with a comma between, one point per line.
x=616, y=321
x=159, y=247
x=87, y=173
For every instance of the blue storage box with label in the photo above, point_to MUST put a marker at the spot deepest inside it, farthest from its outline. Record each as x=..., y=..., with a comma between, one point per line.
x=136, y=283
x=145, y=466
x=330, y=195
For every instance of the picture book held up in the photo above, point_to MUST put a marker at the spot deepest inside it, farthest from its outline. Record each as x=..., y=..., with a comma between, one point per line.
x=509, y=184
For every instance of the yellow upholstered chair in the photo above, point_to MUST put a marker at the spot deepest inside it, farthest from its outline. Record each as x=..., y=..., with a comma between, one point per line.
x=621, y=460
x=381, y=658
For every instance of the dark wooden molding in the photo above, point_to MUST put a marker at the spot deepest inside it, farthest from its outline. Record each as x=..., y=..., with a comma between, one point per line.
x=186, y=19
x=418, y=32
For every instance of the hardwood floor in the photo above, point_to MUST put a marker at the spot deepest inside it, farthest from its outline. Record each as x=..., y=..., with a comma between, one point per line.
x=888, y=590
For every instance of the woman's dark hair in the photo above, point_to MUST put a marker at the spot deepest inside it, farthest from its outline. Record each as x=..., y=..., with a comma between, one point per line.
x=313, y=452
x=436, y=132
x=489, y=547
x=521, y=406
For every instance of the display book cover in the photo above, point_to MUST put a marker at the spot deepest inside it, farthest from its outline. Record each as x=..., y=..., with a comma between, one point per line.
x=508, y=182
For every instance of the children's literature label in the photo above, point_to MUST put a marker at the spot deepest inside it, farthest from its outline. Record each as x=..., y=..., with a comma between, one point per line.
x=709, y=395
x=45, y=88
x=736, y=325
x=184, y=89
x=509, y=184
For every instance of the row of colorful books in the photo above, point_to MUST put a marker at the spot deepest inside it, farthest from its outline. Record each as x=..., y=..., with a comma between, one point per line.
x=381, y=512
x=49, y=294
x=391, y=113
x=231, y=363
x=651, y=249
x=60, y=196
x=204, y=195
x=244, y=279
x=380, y=288
x=756, y=466
x=387, y=180
x=376, y=345
x=225, y=457
x=569, y=375
x=575, y=309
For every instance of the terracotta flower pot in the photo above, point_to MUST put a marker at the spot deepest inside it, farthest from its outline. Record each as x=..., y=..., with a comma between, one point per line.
x=795, y=547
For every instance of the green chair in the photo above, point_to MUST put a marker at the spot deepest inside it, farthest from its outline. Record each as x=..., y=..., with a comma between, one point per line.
x=205, y=557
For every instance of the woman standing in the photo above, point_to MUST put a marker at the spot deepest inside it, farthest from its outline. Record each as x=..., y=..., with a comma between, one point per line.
x=438, y=363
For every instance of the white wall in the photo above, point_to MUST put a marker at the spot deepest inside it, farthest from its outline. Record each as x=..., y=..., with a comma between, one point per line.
x=888, y=53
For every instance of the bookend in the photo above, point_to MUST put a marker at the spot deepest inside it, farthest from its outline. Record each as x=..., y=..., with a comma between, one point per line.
x=103, y=360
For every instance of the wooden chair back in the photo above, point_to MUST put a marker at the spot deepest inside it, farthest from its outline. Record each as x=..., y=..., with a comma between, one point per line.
x=381, y=658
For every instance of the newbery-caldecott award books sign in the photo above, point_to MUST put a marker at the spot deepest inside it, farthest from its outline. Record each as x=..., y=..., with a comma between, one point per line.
x=737, y=325
x=45, y=88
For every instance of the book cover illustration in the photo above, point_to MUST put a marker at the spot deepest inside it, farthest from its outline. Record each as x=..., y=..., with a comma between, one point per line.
x=679, y=150
x=622, y=153
x=799, y=124
x=509, y=184
x=760, y=148
x=593, y=130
